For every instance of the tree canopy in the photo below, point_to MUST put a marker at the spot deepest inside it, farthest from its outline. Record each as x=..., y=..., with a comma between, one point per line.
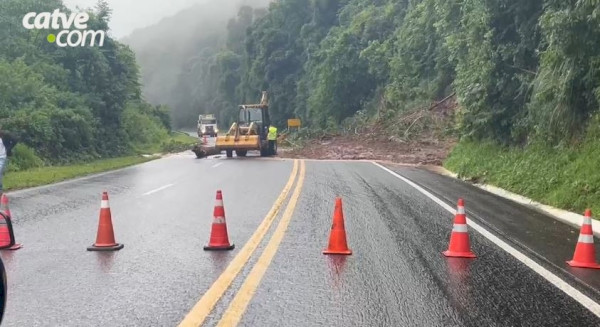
x=71, y=103
x=520, y=69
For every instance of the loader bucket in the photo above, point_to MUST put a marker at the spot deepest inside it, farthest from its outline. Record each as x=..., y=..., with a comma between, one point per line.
x=244, y=142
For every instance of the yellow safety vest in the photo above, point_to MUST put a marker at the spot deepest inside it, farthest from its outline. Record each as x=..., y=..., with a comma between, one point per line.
x=272, y=136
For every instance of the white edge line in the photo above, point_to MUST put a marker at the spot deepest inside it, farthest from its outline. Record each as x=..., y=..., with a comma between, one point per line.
x=570, y=218
x=567, y=217
x=552, y=278
x=158, y=189
x=217, y=165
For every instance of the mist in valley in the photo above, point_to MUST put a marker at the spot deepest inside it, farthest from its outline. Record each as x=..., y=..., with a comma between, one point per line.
x=177, y=54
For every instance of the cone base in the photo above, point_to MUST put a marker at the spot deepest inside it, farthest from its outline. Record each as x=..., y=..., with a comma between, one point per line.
x=219, y=247
x=15, y=247
x=346, y=252
x=577, y=264
x=453, y=254
x=115, y=247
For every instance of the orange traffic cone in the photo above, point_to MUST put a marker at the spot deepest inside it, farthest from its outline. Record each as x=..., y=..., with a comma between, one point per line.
x=459, y=239
x=4, y=205
x=337, y=236
x=585, y=252
x=105, y=238
x=6, y=234
x=4, y=228
x=219, y=240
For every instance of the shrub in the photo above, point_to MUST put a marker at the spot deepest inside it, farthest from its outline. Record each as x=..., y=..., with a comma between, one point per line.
x=23, y=158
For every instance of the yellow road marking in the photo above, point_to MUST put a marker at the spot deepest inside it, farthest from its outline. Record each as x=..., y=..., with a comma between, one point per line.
x=205, y=305
x=240, y=302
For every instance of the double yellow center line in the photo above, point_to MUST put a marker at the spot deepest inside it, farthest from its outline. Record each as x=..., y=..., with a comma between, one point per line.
x=238, y=305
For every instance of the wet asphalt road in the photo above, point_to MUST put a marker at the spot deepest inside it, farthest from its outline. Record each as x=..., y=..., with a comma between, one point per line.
x=396, y=276
x=162, y=270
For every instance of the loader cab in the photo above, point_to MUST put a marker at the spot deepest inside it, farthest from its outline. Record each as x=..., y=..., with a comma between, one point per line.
x=257, y=115
x=249, y=132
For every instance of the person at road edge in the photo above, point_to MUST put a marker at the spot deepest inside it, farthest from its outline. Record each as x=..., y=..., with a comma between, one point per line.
x=272, y=137
x=7, y=143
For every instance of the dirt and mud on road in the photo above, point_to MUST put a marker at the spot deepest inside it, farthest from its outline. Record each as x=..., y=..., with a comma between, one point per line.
x=373, y=147
x=422, y=142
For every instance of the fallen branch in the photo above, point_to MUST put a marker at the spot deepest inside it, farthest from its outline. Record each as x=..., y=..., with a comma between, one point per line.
x=442, y=101
x=411, y=125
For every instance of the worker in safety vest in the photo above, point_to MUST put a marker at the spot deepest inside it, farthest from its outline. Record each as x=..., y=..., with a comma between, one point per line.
x=272, y=137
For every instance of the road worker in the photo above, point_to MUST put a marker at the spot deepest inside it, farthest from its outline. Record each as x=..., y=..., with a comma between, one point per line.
x=7, y=143
x=272, y=137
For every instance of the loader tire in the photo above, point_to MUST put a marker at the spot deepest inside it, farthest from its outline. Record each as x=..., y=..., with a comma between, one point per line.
x=241, y=153
x=229, y=153
x=264, y=149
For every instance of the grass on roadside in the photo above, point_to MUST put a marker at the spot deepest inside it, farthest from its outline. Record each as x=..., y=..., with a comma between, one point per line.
x=48, y=175
x=177, y=142
x=51, y=174
x=563, y=178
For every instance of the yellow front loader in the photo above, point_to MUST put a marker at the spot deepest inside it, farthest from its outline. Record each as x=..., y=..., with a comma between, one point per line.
x=249, y=132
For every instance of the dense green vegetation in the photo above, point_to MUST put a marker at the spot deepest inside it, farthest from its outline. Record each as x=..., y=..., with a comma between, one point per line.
x=564, y=178
x=521, y=70
x=72, y=104
x=526, y=76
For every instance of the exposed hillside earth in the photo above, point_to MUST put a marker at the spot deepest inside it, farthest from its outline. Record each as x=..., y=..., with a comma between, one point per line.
x=415, y=137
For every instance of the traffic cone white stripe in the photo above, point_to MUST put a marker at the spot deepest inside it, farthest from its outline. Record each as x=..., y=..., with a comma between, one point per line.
x=219, y=220
x=586, y=239
x=461, y=210
x=104, y=204
x=219, y=203
x=460, y=228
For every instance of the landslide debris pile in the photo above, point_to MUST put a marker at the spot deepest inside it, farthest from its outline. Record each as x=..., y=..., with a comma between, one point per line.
x=420, y=136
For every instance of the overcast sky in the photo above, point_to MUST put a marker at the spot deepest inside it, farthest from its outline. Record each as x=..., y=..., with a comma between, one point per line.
x=131, y=14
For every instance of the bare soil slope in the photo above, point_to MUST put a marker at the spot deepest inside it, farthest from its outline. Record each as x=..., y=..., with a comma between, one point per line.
x=415, y=137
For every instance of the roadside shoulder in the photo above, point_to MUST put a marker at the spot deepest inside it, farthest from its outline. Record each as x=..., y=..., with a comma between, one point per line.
x=567, y=217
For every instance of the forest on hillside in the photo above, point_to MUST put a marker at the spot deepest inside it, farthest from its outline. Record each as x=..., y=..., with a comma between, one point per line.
x=521, y=70
x=69, y=104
